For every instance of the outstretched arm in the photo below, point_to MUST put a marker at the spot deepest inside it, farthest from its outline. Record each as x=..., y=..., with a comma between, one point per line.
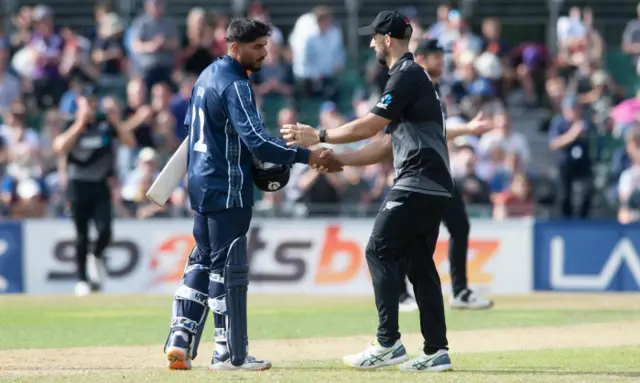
x=476, y=127
x=373, y=153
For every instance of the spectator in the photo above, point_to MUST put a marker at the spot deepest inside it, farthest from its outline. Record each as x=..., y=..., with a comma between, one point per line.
x=491, y=39
x=625, y=114
x=631, y=40
x=100, y=11
x=21, y=35
x=622, y=158
x=138, y=182
x=196, y=47
x=164, y=125
x=629, y=184
x=493, y=169
x=530, y=60
x=517, y=201
x=220, y=24
x=323, y=58
x=179, y=106
x=138, y=114
x=109, y=52
x=257, y=11
x=10, y=88
x=76, y=57
x=595, y=43
x=569, y=135
x=514, y=142
x=275, y=78
x=46, y=46
x=442, y=20
x=155, y=42
x=474, y=190
x=318, y=192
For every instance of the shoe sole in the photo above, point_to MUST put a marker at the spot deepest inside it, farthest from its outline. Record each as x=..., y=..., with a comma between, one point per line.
x=386, y=363
x=177, y=360
x=231, y=367
x=457, y=306
x=440, y=368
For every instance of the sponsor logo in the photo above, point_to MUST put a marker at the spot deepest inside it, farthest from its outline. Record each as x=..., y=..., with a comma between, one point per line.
x=384, y=102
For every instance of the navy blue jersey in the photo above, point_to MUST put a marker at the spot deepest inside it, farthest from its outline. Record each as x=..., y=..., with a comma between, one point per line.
x=225, y=133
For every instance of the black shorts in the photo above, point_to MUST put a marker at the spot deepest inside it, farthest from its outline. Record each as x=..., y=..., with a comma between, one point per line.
x=405, y=219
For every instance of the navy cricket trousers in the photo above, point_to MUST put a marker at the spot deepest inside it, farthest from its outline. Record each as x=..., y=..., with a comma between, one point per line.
x=214, y=232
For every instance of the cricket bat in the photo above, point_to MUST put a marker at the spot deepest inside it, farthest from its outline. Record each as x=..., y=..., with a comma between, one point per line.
x=170, y=176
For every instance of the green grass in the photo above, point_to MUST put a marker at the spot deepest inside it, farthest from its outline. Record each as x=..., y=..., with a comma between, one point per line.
x=569, y=365
x=135, y=320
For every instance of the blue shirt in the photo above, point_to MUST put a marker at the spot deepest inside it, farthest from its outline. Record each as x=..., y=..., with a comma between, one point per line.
x=225, y=133
x=577, y=152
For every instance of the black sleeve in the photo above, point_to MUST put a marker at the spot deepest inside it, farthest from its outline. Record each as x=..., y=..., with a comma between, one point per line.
x=398, y=94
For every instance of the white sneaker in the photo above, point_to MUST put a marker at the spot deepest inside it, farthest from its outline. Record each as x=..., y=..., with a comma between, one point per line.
x=408, y=305
x=96, y=271
x=250, y=364
x=82, y=289
x=439, y=361
x=377, y=356
x=468, y=299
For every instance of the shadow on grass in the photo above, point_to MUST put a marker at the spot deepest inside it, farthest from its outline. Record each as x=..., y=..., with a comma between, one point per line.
x=550, y=371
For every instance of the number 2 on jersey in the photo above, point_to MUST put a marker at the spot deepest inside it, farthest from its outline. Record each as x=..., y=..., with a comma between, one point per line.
x=198, y=146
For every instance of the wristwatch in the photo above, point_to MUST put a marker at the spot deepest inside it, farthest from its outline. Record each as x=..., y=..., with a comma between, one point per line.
x=322, y=135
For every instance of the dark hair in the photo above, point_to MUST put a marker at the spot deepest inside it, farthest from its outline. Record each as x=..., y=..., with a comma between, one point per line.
x=245, y=30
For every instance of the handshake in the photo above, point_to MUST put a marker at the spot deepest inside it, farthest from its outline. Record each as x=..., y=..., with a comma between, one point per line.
x=323, y=160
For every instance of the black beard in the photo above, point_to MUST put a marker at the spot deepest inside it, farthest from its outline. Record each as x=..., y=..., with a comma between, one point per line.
x=381, y=59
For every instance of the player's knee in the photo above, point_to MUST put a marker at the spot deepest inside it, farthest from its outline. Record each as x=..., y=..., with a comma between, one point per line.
x=196, y=276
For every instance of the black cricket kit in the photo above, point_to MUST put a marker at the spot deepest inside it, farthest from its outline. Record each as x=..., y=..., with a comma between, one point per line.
x=90, y=163
x=407, y=225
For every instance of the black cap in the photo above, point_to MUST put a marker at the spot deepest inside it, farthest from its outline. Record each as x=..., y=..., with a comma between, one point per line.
x=389, y=23
x=427, y=46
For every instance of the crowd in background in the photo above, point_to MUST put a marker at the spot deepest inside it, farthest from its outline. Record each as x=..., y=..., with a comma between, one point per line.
x=145, y=71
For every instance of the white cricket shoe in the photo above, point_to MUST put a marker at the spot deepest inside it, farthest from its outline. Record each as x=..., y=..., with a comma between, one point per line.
x=408, y=305
x=250, y=364
x=82, y=289
x=439, y=361
x=468, y=299
x=377, y=356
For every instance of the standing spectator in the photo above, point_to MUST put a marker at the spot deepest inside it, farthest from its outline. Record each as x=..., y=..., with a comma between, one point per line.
x=196, y=46
x=47, y=45
x=436, y=29
x=76, y=57
x=323, y=58
x=109, y=52
x=21, y=35
x=10, y=88
x=164, y=125
x=594, y=41
x=100, y=11
x=220, y=24
x=631, y=40
x=155, y=42
x=139, y=115
x=569, y=135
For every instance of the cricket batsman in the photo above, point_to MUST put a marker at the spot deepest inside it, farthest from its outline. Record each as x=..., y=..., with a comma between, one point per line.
x=226, y=140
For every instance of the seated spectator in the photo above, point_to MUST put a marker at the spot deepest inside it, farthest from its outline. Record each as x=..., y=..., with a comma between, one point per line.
x=138, y=182
x=621, y=158
x=25, y=198
x=109, y=52
x=491, y=39
x=164, y=124
x=68, y=105
x=629, y=184
x=10, y=87
x=179, y=106
x=196, y=47
x=442, y=20
x=275, y=78
x=473, y=189
x=503, y=133
x=531, y=60
x=516, y=201
x=569, y=137
x=494, y=168
x=625, y=114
